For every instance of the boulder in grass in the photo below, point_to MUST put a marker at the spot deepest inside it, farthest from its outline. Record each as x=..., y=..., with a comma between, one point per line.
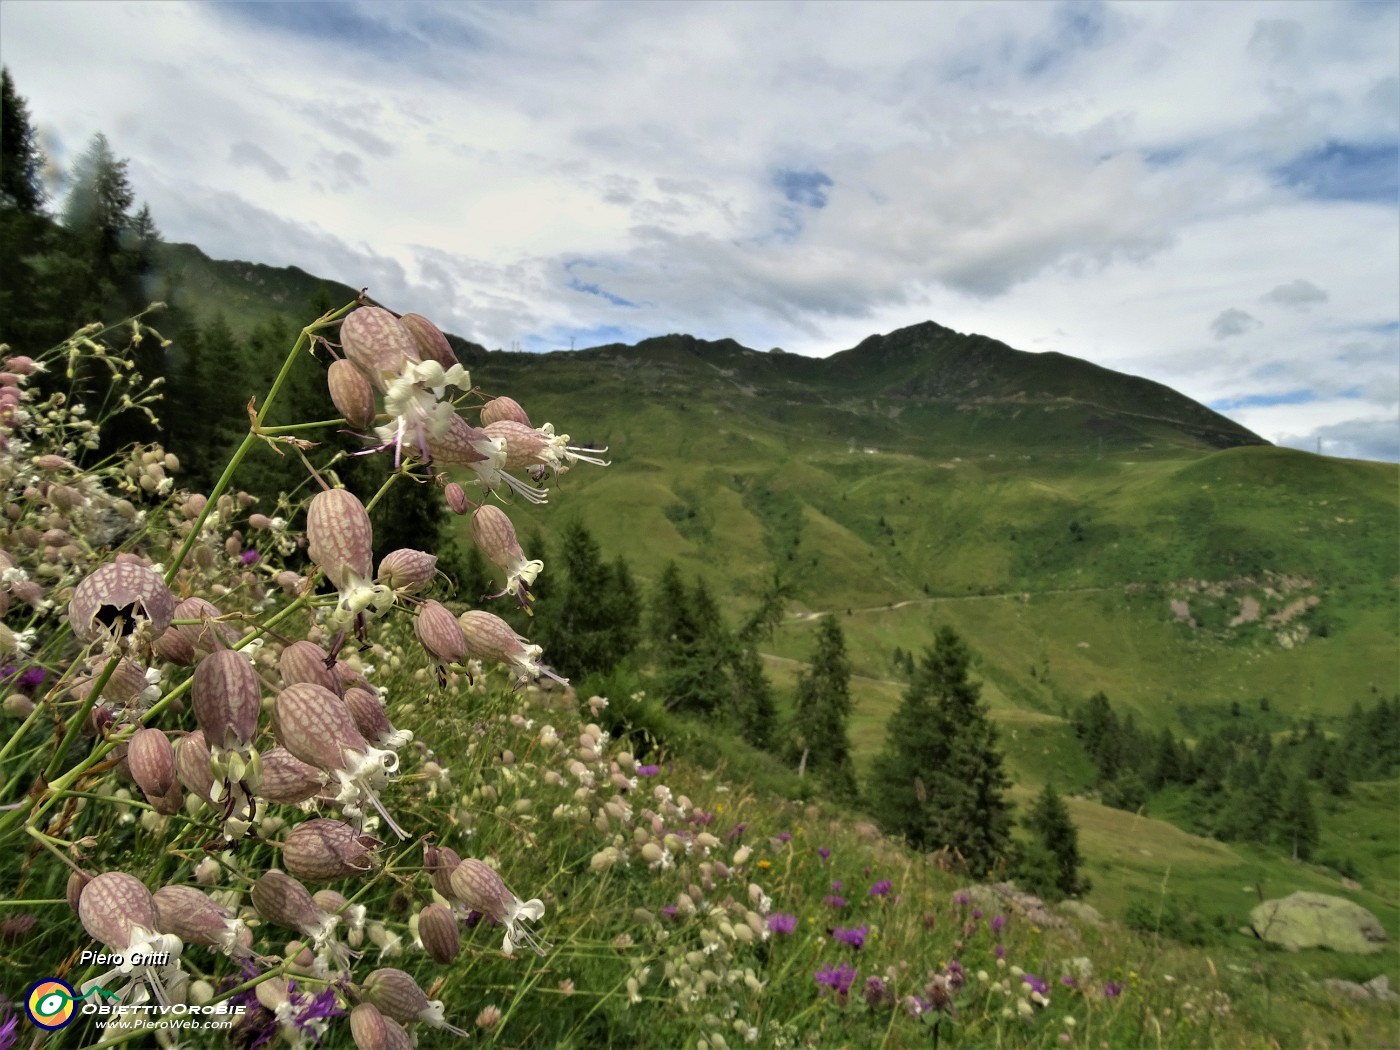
x=1318, y=920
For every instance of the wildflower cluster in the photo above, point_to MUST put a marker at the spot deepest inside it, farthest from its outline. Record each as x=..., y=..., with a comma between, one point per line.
x=189, y=679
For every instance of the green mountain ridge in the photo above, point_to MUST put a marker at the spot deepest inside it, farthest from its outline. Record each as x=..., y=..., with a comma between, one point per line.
x=1052, y=510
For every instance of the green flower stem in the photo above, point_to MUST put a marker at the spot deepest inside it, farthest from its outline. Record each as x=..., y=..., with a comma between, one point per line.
x=252, y=982
x=253, y=436
x=75, y=724
x=320, y=424
x=33, y=903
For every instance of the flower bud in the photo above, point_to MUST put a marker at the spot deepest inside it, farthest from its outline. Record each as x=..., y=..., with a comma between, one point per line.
x=174, y=647
x=440, y=862
x=195, y=917
x=431, y=343
x=193, y=764
x=351, y=393
x=407, y=570
x=371, y=1030
x=77, y=882
x=437, y=929
x=283, y=901
x=440, y=633
x=227, y=698
x=456, y=496
x=288, y=780
x=503, y=408
x=307, y=662
x=372, y=722
x=378, y=344
x=478, y=886
x=315, y=726
x=114, y=596
x=151, y=760
x=398, y=997
x=340, y=539
x=113, y=904
x=322, y=850
x=208, y=634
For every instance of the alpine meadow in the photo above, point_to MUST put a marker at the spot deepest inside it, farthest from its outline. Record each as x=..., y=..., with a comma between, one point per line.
x=367, y=687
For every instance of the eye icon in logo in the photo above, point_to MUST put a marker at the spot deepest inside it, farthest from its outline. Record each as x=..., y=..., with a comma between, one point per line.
x=50, y=1004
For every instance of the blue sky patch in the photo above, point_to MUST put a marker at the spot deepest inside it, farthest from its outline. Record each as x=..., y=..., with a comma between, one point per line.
x=1301, y=396
x=583, y=338
x=803, y=187
x=1346, y=171
x=1077, y=26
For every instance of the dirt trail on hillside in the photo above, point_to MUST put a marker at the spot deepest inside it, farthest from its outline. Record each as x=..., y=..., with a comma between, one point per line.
x=807, y=617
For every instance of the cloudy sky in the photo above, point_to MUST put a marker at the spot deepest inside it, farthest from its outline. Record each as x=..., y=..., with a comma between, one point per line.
x=1201, y=193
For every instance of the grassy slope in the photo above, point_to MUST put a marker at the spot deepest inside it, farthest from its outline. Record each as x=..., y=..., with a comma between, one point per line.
x=732, y=463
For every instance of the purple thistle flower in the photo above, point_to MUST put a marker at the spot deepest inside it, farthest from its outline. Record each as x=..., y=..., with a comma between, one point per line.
x=838, y=978
x=962, y=899
x=836, y=885
x=310, y=1008
x=1037, y=984
x=249, y=557
x=977, y=913
x=1001, y=952
x=736, y=831
x=9, y=1026
x=783, y=836
x=32, y=677
x=877, y=993
x=881, y=888
x=1069, y=982
x=825, y=853
x=854, y=936
x=998, y=923
x=1112, y=989
x=669, y=911
x=781, y=923
x=957, y=976
x=648, y=771
x=834, y=901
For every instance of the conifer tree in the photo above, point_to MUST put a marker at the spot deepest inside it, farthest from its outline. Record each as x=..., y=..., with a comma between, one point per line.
x=590, y=625
x=753, y=698
x=823, y=709
x=21, y=160
x=1297, y=821
x=1054, y=836
x=939, y=780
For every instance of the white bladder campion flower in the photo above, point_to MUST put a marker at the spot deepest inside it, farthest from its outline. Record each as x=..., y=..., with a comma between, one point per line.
x=415, y=402
x=118, y=911
x=478, y=886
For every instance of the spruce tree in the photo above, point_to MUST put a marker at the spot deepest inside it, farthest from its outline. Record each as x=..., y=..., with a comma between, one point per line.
x=591, y=623
x=21, y=160
x=1297, y=821
x=823, y=708
x=1054, y=836
x=939, y=780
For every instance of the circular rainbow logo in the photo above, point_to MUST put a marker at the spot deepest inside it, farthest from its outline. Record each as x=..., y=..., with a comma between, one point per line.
x=49, y=1004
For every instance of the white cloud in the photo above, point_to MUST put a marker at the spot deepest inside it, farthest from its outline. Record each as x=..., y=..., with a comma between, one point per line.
x=1109, y=181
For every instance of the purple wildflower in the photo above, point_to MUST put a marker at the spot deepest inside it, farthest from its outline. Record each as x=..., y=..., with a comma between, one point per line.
x=1037, y=984
x=1001, y=951
x=917, y=1005
x=957, y=976
x=877, y=993
x=977, y=913
x=648, y=771
x=781, y=923
x=783, y=836
x=311, y=1008
x=854, y=936
x=1112, y=989
x=881, y=888
x=1069, y=982
x=669, y=911
x=9, y=1026
x=962, y=899
x=249, y=557
x=838, y=978
x=836, y=885
x=998, y=923
x=825, y=853
x=833, y=900
x=736, y=831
